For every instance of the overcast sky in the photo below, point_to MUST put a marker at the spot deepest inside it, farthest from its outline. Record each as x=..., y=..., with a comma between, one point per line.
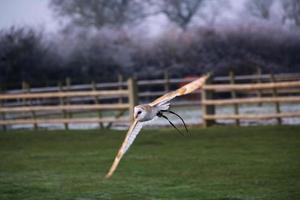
x=26, y=12
x=37, y=13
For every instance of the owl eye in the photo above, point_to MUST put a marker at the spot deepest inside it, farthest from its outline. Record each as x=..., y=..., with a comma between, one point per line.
x=139, y=112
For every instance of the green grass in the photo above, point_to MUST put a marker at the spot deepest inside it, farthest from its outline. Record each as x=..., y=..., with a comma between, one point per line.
x=220, y=163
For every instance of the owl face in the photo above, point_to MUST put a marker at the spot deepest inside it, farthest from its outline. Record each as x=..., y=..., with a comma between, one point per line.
x=140, y=113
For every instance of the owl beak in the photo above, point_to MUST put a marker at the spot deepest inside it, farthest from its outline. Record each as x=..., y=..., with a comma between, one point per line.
x=135, y=116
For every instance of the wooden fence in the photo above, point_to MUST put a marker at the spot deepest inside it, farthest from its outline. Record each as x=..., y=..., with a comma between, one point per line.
x=285, y=91
x=63, y=103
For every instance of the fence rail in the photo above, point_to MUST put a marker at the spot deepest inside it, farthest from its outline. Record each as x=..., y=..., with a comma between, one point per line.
x=252, y=116
x=257, y=86
x=65, y=107
x=63, y=121
x=252, y=100
x=209, y=102
x=107, y=93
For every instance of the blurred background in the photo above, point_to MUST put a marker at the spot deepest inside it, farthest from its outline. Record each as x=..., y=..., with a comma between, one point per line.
x=88, y=49
x=42, y=42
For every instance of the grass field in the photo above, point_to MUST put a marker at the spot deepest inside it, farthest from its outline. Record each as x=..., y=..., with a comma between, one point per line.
x=220, y=163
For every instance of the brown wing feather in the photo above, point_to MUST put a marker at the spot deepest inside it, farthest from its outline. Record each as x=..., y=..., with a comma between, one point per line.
x=130, y=137
x=186, y=89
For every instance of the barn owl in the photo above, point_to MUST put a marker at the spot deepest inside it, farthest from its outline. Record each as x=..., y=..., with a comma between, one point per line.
x=146, y=112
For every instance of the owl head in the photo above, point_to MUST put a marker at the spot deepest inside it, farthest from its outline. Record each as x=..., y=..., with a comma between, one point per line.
x=140, y=112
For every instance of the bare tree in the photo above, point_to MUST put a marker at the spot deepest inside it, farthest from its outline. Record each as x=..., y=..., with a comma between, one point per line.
x=181, y=12
x=260, y=8
x=212, y=10
x=99, y=13
x=291, y=11
x=24, y=55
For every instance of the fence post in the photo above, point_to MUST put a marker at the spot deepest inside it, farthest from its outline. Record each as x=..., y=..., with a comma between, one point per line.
x=97, y=103
x=207, y=109
x=68, y=88
x=233, y=96
x=167, y=81
x=132, y=97
x=277, y=104
x=2, y=113
x=26, y=89
x=29, y=103
x=61, y=100
x=120, y=81
x=258, y=80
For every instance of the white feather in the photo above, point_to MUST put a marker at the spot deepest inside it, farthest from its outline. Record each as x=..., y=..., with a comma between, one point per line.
x=131, y=136
x=164, y=105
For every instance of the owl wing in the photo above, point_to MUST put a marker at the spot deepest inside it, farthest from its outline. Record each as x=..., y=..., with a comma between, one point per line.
x=186, y=89
x=133, y=131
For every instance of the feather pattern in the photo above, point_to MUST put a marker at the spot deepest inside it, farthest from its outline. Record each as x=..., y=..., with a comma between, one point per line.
x=186, y=89
x=131, y=136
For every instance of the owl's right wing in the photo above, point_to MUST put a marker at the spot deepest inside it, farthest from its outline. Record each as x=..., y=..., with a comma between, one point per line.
x=133, y=131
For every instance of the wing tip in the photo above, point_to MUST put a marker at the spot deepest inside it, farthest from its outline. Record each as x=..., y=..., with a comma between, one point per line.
x=207, y=75
x=107, y=176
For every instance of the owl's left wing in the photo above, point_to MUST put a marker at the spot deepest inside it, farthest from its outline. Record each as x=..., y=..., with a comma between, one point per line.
x=133, y=131
x=186, y=89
